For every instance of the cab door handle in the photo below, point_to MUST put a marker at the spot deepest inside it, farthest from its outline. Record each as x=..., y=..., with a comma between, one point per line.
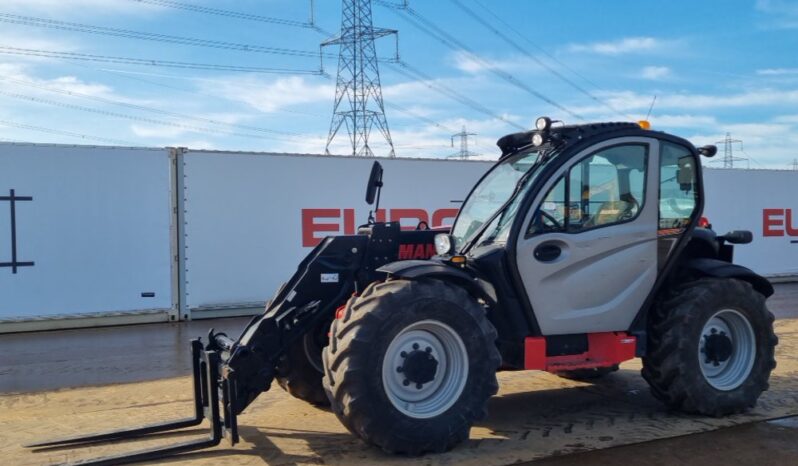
x=547, y=252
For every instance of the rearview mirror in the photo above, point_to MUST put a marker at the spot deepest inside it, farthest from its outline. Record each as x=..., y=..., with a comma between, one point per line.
x=685, y=174
x=375, y=182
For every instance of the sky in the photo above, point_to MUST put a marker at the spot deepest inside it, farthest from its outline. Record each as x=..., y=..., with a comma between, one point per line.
x=714, y=66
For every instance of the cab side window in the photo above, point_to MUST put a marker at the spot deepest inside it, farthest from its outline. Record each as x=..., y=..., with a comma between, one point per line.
x=678, y=194
x=605, y=188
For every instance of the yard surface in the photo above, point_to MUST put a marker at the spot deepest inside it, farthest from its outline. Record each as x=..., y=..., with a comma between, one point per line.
x=535, y=416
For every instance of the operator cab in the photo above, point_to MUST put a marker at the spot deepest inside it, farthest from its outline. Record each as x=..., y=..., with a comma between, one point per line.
x=575, y=224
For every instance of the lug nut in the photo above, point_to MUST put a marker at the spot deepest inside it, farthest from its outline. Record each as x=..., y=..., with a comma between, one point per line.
x=415, y=346
x=406, y=382
x=403, y=354
x=419, y=386
x=399, y=369
x=428, y=349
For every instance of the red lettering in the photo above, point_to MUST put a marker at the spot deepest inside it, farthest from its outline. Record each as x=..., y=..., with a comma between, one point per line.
x=431, y=250
x=405, y=252
x=418, y=214
x=315, y=228
x=442, y=214
x=791, y=230
x=770, y=220
x=349, y=221
x=310, y=227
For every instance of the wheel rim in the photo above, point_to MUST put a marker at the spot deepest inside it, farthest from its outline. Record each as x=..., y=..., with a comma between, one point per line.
x=414, y=384
x=727, y=350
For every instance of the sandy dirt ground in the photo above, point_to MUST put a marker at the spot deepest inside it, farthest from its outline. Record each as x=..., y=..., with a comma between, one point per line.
x=535, y=415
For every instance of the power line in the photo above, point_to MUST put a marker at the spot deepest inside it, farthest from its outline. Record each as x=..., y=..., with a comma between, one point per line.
x=532, y=57
x=413, y=73
x=526, y=39
x=148, y=62
x=133, y=75
x=42, y=129
x=417, y=116
x=225, y=13
x=137, y=118
x=142, y=107
x=431, y=29
x=164, y=38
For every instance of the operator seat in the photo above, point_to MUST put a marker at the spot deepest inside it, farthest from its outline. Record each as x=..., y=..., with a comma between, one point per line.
x=625, y=208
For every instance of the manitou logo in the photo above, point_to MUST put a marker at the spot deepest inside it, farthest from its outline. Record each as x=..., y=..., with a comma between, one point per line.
x=416, y=251
x=779, y=222
x=335, y=221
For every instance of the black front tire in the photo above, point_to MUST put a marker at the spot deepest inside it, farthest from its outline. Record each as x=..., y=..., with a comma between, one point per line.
x=361, y=340
x=300, y=372
x=672, y=366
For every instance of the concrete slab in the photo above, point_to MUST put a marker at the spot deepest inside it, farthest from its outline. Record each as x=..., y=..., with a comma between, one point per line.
x=535, y=415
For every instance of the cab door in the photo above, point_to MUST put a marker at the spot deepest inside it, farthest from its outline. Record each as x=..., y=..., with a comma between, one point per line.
x=587, y=251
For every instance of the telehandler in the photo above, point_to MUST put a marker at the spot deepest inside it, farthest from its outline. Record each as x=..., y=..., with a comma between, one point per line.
x=584, y=246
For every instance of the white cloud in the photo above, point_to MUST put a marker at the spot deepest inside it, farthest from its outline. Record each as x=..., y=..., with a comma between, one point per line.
x=782, y=14
x=621, y=46
x=80, y=7
x=655, y=72
x=629, y=101
x=19, y=76
x=270, y=96
x=159, y=132
x=683, y=121
x=778, y=72
x=25, y=39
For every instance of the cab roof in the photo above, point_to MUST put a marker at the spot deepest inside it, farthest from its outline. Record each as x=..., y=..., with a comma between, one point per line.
x=571, y=134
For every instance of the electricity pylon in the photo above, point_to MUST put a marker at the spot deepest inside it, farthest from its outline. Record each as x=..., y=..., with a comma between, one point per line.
x=358, y=94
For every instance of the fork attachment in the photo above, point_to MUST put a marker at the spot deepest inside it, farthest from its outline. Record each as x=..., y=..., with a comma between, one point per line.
x=208, y=386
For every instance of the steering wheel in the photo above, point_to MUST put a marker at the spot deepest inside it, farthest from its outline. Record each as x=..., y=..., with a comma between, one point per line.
x=551, y=218
x=630, y=211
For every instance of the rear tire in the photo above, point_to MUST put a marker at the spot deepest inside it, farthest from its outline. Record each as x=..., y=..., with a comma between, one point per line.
x=587, y=374
x=301, y=370
x=711, y=347
x=379, y=374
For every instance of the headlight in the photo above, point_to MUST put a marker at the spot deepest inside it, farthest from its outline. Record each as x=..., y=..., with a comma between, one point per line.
x=543, y=123
x=537, y=139
x=443, y=244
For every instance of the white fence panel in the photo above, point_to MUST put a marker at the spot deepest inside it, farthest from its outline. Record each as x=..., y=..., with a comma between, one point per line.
x=764, y=202
x=250, y=218
x=97, y=230
x=95, y=222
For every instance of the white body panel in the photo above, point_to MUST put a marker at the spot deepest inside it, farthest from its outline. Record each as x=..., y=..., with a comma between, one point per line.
x=603, y=275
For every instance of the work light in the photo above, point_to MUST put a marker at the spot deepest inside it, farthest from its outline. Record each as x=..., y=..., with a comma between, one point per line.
x=543, y=123
x=443, y=244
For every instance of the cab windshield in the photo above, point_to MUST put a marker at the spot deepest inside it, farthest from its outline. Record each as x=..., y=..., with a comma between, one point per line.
x=491, y=194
